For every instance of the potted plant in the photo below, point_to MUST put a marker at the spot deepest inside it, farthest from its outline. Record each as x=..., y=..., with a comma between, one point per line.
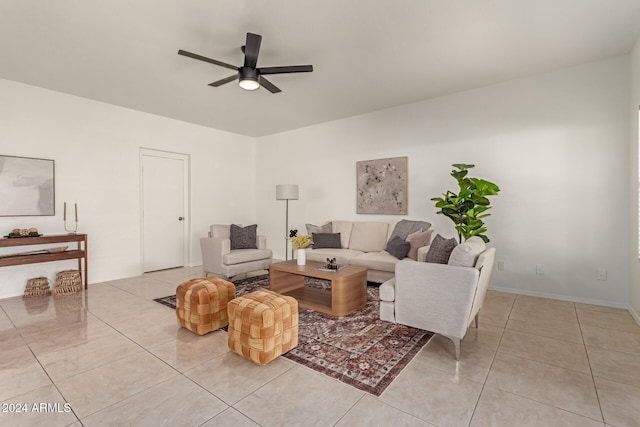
x=298, y=243
x=469, y=206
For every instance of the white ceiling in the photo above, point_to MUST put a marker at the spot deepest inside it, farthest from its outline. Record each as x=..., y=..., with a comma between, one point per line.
x=367, y=54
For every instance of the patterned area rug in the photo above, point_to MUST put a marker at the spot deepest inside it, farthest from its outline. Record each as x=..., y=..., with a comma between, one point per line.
x=358, y=349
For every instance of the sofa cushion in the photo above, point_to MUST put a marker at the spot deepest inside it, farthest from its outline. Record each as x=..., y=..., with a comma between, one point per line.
x=342, y=256
x=466, y=254
x=368, y=236
x=398, y=248
x=326, y=228
x=240, y=256
x=344, y=228
x=406, y=227
x=326, y=240
x=440, y=250
x=382, y=261
x=243, y=237
x=418, y=240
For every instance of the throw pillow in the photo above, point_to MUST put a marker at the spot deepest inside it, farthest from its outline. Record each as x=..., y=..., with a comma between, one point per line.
x=441, y=249
x=398, y=248
x=326, y=240
x=244, y=237
x=466, y=254
x=406, y=227
x=318, y=229
x=418, y=240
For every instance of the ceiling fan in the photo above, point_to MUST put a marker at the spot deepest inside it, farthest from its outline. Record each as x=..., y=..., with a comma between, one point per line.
x=249, y=75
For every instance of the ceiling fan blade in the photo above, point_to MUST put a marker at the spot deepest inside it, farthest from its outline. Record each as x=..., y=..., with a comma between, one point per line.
x=287, y=69
x=269, y=86
x=205, y=59
x=223, y=81
x=251, y=50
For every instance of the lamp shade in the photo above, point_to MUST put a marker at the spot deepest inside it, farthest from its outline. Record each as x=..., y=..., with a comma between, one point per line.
x=286, y=192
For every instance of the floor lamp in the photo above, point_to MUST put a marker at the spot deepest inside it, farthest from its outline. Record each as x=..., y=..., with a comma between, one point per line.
x=286, y=192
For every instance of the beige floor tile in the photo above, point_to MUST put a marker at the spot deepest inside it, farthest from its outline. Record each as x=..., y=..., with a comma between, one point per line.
x=190, y=350
x=69, y=336
x=545, y=350
x=20, y=372
x=611, y=339
x=66, y=319
x=310, y=397
x=145, y=287
x=101, y=387
x=620, y=403
x=474, y=362
x=439, y=398
x=175, y=402
x=527, y=299
x=615, y=366
x=231, y=377
x=44, y=407
x=551, y=385
x=10, y=338
x=74, y=360
x=494, y=316
x=154, y=331
x=492, y=293
x=527, y=309
x=230, y=418
x=557, y=329
x=600, y=308
x=619, y=320
x=369, y=412
x=497, y=408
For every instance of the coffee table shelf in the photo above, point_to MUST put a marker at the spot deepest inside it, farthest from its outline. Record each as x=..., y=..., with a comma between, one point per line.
x=348, y=286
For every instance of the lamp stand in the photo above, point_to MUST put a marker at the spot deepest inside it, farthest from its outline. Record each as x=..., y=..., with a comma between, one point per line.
x=286, y=230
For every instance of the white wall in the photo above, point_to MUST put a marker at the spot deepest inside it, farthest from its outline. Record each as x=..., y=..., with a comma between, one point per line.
x=557, y=144
x=634, y=294
x=96, y=151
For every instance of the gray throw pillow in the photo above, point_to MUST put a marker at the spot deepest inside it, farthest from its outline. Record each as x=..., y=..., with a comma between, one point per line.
x=243, y=237
x=398, y=248
x=327, y=228
x=440, y=249
x=405, y=227
x=326, y=240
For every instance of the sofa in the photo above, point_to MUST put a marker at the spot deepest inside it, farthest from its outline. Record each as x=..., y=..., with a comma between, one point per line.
x=364, y=243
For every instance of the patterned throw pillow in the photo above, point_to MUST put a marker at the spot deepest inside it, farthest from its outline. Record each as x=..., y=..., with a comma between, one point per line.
x=441, y=249
x=244, y=237
x=405, y=227
x=326, y=240
x=398, y=248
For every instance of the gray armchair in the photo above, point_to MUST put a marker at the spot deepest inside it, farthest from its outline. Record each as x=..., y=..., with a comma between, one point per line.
x=218, y=257
x=440, y=298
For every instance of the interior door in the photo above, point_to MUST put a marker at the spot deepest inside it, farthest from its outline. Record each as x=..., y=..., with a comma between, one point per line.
x=163, y=211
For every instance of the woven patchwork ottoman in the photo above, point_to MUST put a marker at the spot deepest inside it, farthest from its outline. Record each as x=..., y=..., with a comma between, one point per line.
x=263, y=325
x=201, y=304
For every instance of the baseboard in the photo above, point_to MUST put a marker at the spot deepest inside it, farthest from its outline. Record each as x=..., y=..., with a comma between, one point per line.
x=566, y=298
x=635, y=315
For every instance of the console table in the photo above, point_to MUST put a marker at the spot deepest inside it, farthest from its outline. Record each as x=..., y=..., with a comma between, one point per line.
x=79, y=253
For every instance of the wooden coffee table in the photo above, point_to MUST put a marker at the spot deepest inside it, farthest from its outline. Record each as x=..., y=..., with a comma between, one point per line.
x=348, y=286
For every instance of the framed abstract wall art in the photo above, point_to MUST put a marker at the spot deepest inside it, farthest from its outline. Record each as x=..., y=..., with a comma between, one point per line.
x=27, y=186
x=382, y=186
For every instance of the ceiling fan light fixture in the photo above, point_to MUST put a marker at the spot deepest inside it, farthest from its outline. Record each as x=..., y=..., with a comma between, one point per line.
x=248, y=78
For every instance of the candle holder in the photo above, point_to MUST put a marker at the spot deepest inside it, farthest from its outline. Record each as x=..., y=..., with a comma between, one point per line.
x=64, y=218
x=68, y=230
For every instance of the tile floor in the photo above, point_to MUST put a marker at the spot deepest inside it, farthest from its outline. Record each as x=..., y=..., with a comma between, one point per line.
x=117, y=358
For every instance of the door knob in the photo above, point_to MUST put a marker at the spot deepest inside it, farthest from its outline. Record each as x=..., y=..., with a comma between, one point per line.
x=180, y=218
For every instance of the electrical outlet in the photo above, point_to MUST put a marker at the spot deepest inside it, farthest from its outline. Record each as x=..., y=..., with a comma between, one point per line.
x=539, y=269
x=500, y=265
x=602, y=274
